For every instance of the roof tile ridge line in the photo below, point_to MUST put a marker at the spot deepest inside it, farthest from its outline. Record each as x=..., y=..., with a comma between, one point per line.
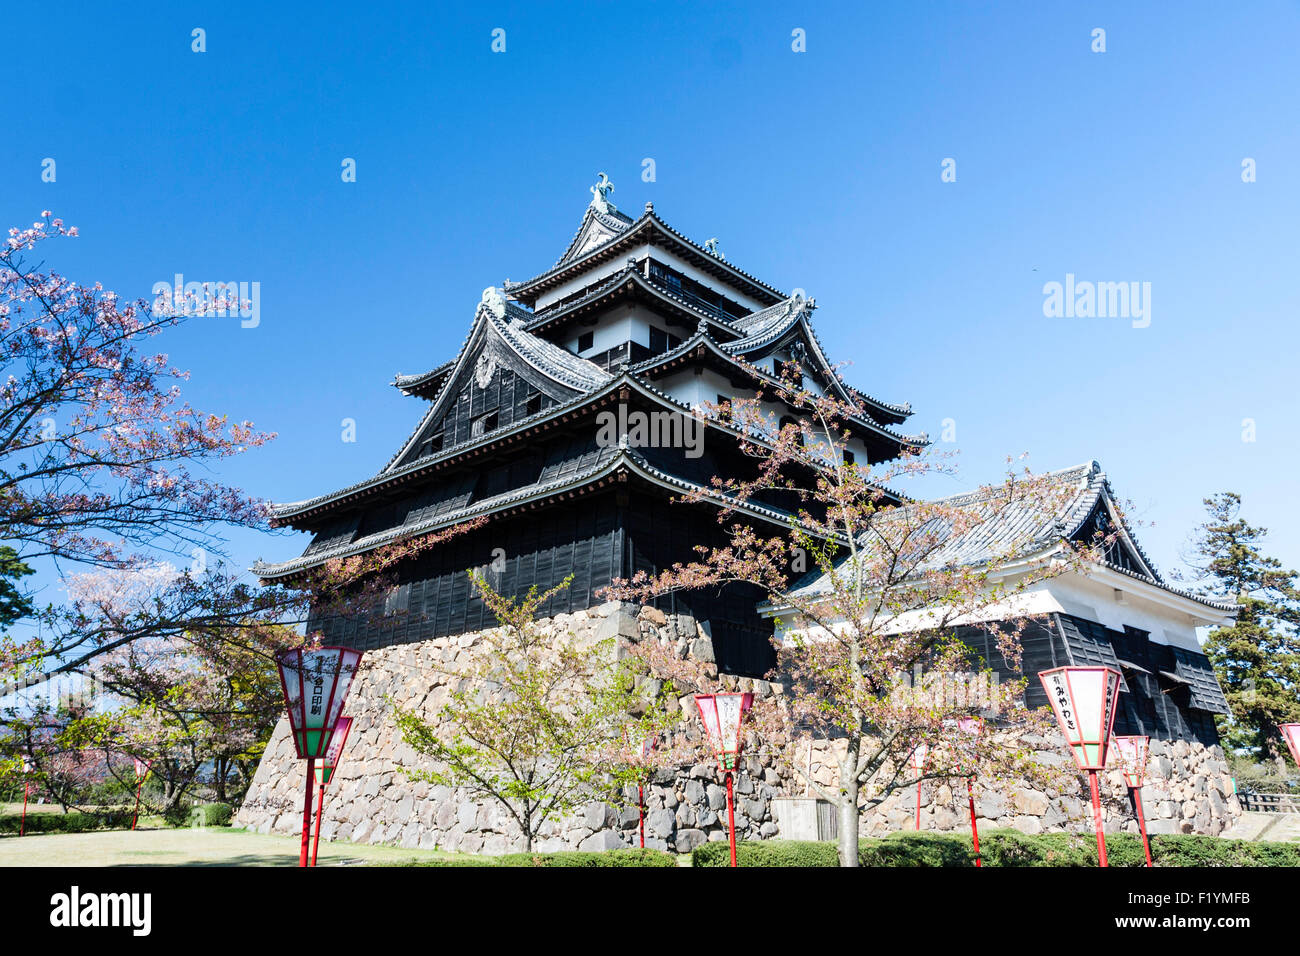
x=387, y=534
x=498, y=323
x=634, y=224
x=984, y=492
x=437, y=397
x=1173, y=589
x=623, y=456
x=507, y=333
x=653, y=217
x=307, y=504
x=408, y=381
x=697, y=339
x=593, y=214
x=1104, y=480
x=611, y=281
x=732, y=266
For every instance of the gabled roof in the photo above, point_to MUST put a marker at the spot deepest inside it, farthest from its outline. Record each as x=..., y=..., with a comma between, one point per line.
x=597, y=228
x=626, y=279
x=1016, y=530
x=498, y=321
x=648, y=228
x=701, y=340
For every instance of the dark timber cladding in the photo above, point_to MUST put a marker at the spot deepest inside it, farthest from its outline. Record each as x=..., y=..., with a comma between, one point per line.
x=1167, y=692
x=634, y=316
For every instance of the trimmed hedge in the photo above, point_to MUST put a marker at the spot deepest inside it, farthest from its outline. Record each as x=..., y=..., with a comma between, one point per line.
x=563, y=858
x=199, y=814
x=73, y=822
x=1007, y=848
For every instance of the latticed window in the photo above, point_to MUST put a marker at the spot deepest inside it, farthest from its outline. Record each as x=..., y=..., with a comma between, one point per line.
x=483, y=424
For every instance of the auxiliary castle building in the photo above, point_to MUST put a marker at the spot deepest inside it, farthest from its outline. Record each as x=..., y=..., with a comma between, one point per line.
x=635, y=321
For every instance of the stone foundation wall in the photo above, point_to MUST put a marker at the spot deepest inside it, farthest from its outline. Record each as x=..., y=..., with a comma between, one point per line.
x=372, y=801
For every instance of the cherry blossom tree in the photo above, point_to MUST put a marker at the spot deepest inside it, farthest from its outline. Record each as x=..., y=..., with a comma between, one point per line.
x=537, y=721
x=105, y=477
x=870, y=657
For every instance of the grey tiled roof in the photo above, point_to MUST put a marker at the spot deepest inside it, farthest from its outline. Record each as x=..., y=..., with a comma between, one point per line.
x=1017, y=530
x=610, y=459
x=616, y=224
x=646, y=221
x=767, y=325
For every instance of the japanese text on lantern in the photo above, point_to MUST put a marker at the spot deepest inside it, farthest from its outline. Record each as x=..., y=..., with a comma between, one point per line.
x=1062, y=701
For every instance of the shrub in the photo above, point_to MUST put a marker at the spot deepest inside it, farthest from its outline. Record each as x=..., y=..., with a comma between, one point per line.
x=563, y=858
x=214, y=814
x=1008, y=848
x=73, y=822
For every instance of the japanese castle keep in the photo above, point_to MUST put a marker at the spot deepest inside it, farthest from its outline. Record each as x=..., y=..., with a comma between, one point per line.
x=636, y=317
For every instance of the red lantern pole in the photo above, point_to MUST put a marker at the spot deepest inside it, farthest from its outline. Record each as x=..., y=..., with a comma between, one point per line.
x=974, y=830
x=1096, y=818
x=315, y=682
x=306, y=812
x=1142, y=823
x=918, y=764
x=141, y=772
x=731, y=818
x=721, y=715
x=1084, y=702
x=1132, y=752
x=320, y=812
x=135, y=817
x=640, y=799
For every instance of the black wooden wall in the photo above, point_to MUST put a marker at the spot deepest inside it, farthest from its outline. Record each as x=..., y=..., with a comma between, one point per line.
x=595, y=539
x=1149, y=703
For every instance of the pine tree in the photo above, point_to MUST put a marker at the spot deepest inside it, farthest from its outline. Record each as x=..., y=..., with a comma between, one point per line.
x=1258, y=657
x=15, y=603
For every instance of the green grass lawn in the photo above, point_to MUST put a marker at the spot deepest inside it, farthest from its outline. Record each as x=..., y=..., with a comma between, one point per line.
x=185, y=846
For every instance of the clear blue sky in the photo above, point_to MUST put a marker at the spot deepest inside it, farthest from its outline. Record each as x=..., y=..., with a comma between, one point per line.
x=818, y=170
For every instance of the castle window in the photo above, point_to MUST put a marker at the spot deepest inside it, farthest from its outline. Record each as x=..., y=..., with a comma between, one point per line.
x=585, y=341
x=849, y=458
x=533, y=404
x=483, y=424
x=397, y=600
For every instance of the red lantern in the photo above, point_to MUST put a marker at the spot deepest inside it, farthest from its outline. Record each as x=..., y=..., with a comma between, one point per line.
x=1132, y=753
x=1291, y=734
x=325, y=773
x=315, y=681
x=722, y=714
x=1084, y=700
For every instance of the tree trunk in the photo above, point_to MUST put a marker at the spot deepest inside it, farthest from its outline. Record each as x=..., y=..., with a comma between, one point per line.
x=848, y=820
x=220, y=768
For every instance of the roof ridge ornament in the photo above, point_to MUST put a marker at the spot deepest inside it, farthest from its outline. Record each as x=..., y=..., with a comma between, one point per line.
x=600, y=195
x=494, y=302
x=711, y=245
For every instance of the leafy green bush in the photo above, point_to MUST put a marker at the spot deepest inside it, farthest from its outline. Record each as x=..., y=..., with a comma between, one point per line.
x=66, y=822
x=1007, y=848
x=564, y=858
x=199, y=814
x=766, y=853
